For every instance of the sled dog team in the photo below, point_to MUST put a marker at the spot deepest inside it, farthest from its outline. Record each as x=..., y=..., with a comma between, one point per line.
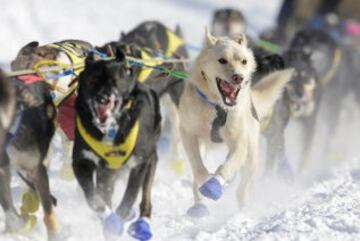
x=108, y=105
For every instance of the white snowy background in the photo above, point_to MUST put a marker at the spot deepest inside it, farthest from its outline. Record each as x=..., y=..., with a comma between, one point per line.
x=321, y=206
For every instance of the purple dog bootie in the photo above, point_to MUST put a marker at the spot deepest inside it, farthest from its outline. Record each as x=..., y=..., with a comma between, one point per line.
x=113, y=225
x=212, y=188
x=198, y=210
x=140, y=229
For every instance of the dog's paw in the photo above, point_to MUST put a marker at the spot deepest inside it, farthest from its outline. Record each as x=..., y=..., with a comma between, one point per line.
x=285, y=170
x=198, y=210
x=20, y=224
x=113, y=225
x=141, y=229
x=62, y=235
x=212, y=188
x=179, y=167
x=30, y=203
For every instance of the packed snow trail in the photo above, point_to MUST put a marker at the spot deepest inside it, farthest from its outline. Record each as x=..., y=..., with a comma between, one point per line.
x=328, y=210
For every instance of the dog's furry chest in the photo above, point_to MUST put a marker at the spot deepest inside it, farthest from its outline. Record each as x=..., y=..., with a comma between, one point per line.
x=206, y=125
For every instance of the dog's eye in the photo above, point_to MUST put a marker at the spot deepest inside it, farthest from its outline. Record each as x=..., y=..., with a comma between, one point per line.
x=244, y=61
x=222, y=61
x=101, y=99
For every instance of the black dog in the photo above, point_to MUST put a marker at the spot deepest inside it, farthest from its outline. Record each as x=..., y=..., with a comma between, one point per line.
x=33, y=127
x=26, y=148
x=336, y=66
x=228, y=22
x=154, y=43
x=299, y=102
x=118, y=119
x=155, y=36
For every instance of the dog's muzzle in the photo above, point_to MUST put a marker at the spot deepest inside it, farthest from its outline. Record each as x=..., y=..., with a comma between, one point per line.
x=105, y=110
x=228, y=91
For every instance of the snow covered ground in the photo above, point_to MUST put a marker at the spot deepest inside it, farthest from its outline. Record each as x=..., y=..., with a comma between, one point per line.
x=325, y=206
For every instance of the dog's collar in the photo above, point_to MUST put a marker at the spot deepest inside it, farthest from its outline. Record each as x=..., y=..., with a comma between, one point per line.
x=202, y=96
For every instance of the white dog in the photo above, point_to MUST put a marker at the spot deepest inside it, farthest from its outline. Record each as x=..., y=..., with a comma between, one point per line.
x=219, y=105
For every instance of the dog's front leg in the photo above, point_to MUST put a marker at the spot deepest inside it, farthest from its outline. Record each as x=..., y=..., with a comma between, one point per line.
x=276, y=159
x=113, y=223
x=234, y=161
x=135, y=180
x=309, y=125
x=106, y=179
x=13, y=221
x=141, y=228
x=39, y=177
x=200, y=173
x=84, y=170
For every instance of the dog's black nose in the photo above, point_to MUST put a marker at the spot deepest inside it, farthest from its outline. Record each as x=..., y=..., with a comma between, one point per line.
x=237, y=79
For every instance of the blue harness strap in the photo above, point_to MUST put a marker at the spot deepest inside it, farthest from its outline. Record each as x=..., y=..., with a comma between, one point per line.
x=14, y=129
x=202, y=96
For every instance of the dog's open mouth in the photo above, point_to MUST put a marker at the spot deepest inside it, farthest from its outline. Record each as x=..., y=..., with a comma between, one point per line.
x=105, y=108
x=228, y=91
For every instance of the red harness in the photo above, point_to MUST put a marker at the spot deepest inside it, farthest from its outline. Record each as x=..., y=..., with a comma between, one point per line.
x=30, y=78
x=66, y=116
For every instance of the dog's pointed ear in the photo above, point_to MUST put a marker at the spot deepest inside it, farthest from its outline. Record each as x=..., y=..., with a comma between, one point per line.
x=90, y=59
x=240, y=39
x=29, y=48
x=119, y=54
x=122, y=35
x=210, y=39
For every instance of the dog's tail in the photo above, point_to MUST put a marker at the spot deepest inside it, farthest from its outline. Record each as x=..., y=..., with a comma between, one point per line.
x=268, y=90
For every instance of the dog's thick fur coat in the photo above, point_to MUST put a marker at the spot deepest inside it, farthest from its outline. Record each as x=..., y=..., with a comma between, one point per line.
x=108, y=90
x=28, y=148
x=145, y=41
x=222, y=63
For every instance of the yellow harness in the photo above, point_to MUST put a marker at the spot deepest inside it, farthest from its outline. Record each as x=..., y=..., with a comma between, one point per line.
x=115, y=156
x=174, y=42
x=72, y=51
x=146, y=72
x=78, y=62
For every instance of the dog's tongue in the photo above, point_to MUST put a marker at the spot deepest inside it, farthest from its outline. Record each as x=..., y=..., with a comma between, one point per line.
x=229, y=89
x=104, y=110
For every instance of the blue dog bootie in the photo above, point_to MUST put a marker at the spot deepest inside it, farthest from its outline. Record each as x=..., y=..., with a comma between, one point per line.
x=140, y=229
x=113, y=225
x=285, y=170
x=198, y=210
x=212, y=188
